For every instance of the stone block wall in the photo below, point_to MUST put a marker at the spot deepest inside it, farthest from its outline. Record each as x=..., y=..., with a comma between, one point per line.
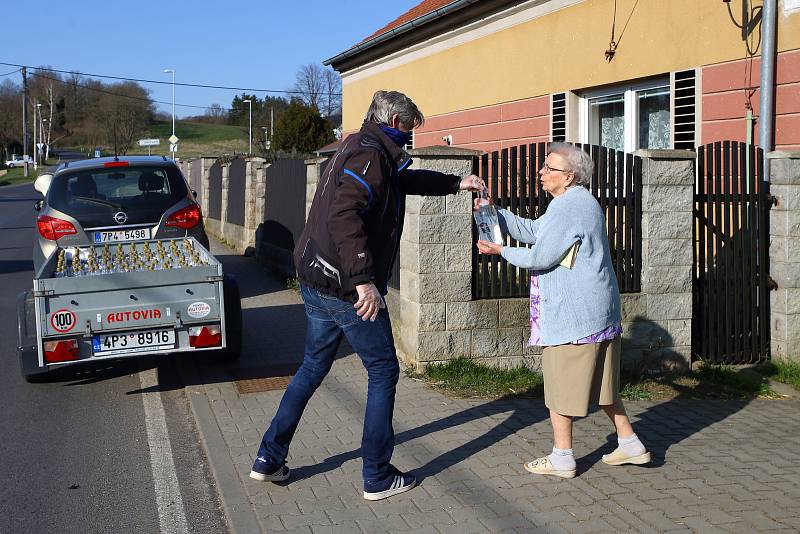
x=784, y=255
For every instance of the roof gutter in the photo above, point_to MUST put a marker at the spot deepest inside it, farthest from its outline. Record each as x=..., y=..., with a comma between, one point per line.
x=419, y=21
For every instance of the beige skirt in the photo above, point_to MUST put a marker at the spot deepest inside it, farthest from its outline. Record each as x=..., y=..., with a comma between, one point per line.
x=577, y=376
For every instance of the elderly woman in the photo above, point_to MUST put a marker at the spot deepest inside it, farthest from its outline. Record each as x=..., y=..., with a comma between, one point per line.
x=575, y=308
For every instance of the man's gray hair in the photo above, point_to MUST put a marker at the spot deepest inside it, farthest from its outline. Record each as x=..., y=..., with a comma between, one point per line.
x=387, y=104
x=576, y=161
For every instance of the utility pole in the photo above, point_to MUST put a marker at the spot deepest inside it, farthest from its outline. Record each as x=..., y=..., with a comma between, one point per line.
x=35, y=140
x=25, y=118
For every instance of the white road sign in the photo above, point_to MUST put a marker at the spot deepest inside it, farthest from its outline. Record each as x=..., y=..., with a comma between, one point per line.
x=173, y=147
x=173, y=139
x=40, y=145
x=149, y=142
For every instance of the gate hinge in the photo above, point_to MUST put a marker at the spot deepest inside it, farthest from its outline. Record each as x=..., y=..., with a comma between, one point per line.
x=772, y=285
x=772, y=201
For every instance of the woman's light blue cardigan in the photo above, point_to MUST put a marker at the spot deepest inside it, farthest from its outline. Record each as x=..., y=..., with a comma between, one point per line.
x=574, y=303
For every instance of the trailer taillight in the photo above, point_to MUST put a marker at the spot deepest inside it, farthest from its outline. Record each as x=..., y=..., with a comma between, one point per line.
x=65, y=350
x=53, y=229
x=185, y=218
x=205, y=336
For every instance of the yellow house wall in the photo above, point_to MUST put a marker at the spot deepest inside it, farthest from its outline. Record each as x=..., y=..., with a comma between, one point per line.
x=564, y=50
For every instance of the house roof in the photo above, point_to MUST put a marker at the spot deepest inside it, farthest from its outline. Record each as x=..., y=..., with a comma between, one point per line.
x=421, y=9
x=427, y=19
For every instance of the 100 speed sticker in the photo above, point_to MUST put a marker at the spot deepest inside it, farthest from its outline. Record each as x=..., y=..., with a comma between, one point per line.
x=63, y=320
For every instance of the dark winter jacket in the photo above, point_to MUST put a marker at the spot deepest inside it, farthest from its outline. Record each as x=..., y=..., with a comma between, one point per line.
x=353, y=231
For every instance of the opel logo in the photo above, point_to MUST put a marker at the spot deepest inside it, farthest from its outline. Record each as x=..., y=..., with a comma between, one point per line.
x=120, y=217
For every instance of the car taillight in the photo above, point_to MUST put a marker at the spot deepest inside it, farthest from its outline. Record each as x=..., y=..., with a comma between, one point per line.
x=185, y=218
x=116, y=164
x=205, y=336
x=65, y=350
x=54, y=229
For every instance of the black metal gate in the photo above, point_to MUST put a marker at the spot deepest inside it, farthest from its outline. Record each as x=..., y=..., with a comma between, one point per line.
x=731, y=315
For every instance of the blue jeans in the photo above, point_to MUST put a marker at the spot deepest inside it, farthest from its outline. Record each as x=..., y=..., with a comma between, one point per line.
x=329, y=318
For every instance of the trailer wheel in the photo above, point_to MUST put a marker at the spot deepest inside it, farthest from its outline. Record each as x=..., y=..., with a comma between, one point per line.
x=233, y=319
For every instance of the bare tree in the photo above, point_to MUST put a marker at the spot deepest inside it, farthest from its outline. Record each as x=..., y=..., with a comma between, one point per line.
x=310, y=84
x=124, y=114
x=10, y=116
x=333, y=93
x=216, y=113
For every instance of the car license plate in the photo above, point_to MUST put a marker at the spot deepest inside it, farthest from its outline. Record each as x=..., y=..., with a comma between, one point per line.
x=114, y=236
x=132, y=342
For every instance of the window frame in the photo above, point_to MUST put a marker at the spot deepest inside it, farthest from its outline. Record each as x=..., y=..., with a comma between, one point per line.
x=631, y=113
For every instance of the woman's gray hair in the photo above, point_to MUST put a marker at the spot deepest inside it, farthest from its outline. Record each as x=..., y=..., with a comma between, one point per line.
x=387, y=104
x=578, y=162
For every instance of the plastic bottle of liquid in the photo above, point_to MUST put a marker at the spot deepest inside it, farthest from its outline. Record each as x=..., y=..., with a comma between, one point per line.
x=486, y=220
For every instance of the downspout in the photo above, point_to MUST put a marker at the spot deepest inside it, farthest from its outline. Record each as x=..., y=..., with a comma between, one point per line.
x=766, y=118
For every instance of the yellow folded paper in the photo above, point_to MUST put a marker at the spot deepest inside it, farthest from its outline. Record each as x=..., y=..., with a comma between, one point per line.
x=569, y=258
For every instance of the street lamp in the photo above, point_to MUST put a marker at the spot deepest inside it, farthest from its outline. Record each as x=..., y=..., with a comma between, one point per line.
x=36, y=139
x=250, y=128
x=167, y=71
x=267, y=139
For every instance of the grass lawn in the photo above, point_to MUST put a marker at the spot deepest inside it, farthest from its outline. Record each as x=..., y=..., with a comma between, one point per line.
x=786, y=372
x=465, y=378
x=16, y=176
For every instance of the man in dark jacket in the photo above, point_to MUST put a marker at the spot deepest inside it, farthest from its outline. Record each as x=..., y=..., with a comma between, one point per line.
x=344, y=259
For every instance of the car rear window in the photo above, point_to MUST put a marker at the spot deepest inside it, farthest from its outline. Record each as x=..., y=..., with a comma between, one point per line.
x=144, y=193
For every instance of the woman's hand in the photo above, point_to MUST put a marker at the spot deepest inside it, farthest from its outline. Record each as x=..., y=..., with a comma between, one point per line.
x=479, y=201
x=485, y=247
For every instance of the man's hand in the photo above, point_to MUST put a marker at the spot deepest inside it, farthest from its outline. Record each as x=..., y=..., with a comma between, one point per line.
x=471, y=183
x=485, y=247
x=369, y=302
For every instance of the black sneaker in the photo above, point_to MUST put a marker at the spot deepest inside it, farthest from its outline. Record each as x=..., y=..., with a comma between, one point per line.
x=268, y=472
x=395, y=483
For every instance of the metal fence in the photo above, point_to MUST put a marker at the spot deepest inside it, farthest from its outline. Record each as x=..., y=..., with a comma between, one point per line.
x=285, y=212
x=237, y=181
x=511, y=175
x=731, y=306
x=215, y=191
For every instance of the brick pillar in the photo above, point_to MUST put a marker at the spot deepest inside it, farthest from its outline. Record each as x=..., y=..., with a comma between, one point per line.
x=435, y=264
x=784, y=255
x=662, y=337
x=205, y=173
x=314, y=169
x=223, y=214
x=253, y=171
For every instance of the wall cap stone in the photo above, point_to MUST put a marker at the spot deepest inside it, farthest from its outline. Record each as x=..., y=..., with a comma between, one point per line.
x=783, y=154
x=316, y=160
x=444, y=151
x=666, y=154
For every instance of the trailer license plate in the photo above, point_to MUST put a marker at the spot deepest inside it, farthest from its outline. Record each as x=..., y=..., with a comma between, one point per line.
x=132, y=342
x=114, y=236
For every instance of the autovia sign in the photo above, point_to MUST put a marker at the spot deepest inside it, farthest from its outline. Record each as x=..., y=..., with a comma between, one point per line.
x=63, y=320
x=134, y=315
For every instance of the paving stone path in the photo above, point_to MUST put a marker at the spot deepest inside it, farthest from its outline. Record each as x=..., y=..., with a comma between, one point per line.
x=720, y=466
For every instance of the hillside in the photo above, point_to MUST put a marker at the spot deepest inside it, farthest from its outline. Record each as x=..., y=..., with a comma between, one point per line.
x=196, y=139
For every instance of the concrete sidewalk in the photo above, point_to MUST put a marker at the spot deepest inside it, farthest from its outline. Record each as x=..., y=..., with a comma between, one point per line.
x=720, y=466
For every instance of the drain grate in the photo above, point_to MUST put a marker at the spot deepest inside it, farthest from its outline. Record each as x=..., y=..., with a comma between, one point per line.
x=258, y=385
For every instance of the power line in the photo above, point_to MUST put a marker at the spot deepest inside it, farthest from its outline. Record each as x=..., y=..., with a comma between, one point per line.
x=112, y=93
x=10, y=73
x=197, y=85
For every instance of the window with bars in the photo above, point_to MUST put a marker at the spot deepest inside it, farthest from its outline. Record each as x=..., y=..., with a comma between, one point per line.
x=684, y=101
x=558, y=114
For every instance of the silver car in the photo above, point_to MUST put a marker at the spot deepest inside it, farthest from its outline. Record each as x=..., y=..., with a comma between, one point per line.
x=112, y=200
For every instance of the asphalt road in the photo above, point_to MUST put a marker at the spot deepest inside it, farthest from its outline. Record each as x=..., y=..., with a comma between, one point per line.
x=92, y=450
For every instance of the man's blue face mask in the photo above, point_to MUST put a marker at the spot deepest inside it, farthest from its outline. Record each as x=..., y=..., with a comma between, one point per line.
x=399, y=137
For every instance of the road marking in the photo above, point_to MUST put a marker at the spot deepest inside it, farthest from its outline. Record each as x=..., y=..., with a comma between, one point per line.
x=171, y=515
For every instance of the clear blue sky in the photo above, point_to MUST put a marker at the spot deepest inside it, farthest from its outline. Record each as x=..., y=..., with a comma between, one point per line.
x=241, y=44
